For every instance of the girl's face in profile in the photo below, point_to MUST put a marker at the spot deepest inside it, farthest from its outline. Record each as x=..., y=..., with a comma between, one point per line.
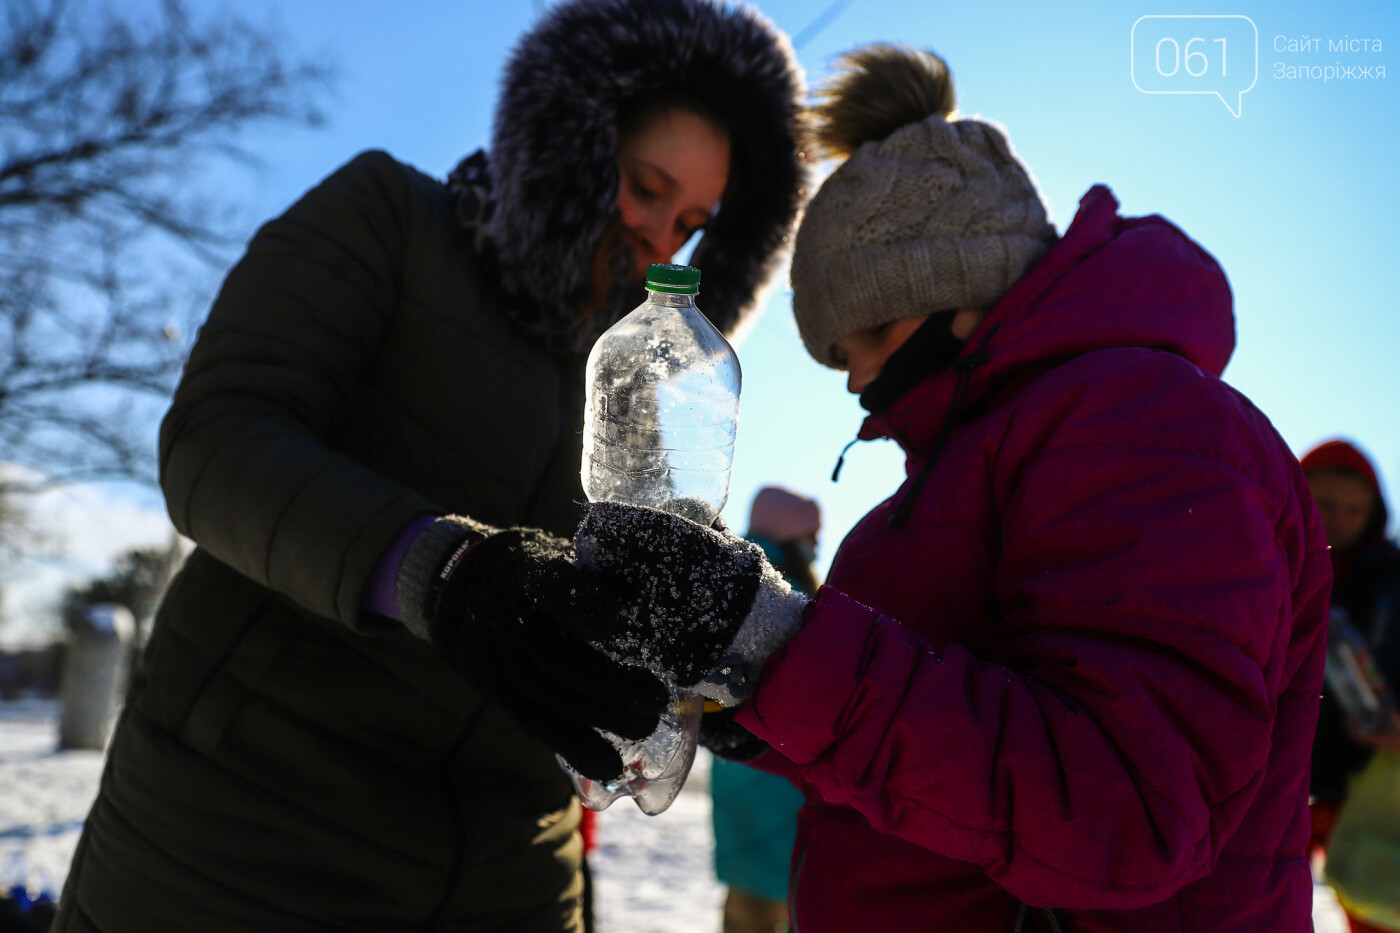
x=862, y=354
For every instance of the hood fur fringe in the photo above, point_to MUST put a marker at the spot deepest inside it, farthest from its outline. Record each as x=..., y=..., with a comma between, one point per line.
x=555, y=136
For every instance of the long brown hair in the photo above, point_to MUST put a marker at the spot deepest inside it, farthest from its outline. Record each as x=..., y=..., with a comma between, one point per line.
x=612, y=252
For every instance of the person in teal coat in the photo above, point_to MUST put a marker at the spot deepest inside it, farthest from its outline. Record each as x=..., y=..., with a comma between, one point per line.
x=754, y=812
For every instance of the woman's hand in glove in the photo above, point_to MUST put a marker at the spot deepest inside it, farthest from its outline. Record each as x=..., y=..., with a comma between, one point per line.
x=679, y=598
x=495, y=604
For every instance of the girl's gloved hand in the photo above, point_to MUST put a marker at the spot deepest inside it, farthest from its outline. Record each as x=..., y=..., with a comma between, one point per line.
x=726, y=739
x=679, y=598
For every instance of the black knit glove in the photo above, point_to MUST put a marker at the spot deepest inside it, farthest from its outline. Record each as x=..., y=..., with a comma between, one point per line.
x=680, y=598
x=495, y=606
x=727, y=739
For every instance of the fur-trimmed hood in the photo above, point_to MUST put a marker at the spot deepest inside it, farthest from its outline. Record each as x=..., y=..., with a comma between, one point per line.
x=553, y=163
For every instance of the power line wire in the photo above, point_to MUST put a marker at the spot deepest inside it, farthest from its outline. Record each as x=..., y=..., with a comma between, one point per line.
x=823, y=20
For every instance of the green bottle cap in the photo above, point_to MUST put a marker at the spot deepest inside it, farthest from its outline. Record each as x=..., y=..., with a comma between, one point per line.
x=673, y=279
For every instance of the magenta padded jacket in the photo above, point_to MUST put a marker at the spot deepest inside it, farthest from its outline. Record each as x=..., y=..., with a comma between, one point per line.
x=1081, y=669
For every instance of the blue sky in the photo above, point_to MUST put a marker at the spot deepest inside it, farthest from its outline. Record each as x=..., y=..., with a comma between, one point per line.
x=1298, y=196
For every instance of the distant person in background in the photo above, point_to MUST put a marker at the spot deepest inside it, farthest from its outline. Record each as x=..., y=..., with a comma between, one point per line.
x=20, y=914
x=1356, y=771
x=754, y=812
x=588, y=830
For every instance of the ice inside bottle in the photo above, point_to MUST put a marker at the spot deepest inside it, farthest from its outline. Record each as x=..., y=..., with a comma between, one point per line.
x=659, y=423
x=663, y=403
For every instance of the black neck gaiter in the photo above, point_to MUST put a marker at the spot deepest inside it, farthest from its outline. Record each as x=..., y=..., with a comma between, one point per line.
x=928, y=349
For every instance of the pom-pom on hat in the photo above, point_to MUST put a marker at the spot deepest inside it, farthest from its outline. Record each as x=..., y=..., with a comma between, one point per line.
x=926, y=214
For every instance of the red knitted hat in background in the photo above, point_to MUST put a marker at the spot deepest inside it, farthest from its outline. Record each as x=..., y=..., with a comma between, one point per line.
x=781, y=515
x=1341, y=455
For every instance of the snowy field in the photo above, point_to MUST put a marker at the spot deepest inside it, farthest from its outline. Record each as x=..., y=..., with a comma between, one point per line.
x=653, y=873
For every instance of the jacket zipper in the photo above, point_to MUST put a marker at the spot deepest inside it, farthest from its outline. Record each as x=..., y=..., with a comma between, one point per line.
x=1059, y=923
x=459, y=827
x=963, y=367
x=792, y=892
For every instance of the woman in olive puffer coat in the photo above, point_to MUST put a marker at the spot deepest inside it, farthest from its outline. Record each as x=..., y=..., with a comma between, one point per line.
x=348, y=712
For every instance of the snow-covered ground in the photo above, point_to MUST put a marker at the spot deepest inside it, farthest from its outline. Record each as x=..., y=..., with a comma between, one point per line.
x=653, y=873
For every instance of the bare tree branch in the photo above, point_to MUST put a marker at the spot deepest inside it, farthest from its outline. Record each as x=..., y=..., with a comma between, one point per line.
x=109, y=243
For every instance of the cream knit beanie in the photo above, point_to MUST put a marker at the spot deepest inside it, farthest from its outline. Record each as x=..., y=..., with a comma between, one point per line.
x=926, y=213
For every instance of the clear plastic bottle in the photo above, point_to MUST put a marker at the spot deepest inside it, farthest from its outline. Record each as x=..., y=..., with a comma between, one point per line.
x=663, y=405
x=1356, y=682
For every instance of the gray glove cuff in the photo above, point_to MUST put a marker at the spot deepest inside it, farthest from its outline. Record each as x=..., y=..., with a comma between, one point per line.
x=427, y=564
x=773, y=619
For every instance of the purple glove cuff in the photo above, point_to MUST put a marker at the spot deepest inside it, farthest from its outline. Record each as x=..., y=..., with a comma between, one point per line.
x=379, y=596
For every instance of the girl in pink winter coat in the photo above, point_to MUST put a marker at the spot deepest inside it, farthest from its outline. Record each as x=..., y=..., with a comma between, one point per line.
x=1066, y=677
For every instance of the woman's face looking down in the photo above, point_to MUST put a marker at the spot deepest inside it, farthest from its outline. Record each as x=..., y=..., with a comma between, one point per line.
x=672, y=170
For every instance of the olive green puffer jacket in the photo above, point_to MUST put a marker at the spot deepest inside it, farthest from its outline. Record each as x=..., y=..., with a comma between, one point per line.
x=286, y=761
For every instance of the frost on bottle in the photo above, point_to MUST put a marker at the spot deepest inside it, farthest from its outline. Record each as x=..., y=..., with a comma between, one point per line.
x=659, y=422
